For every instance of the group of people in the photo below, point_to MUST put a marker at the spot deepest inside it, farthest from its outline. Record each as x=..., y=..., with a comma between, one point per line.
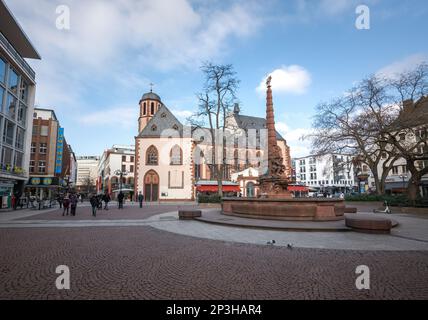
x=69, y=202
x=96, y=202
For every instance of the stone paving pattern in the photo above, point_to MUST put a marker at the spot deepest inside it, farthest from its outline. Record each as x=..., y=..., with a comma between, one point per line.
x=141, y=262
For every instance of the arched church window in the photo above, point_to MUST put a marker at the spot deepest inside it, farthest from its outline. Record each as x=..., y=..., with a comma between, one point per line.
x=176, y=155
x=152, y=156
x=152, y=108
x=144, y=108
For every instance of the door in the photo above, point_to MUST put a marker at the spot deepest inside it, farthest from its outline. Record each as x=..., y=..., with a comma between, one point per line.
x=151, y=186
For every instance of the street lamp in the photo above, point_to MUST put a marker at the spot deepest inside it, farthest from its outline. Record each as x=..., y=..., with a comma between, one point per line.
x=120, y=173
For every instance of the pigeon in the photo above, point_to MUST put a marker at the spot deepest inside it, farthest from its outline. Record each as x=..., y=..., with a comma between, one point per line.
x=290, y=246
x=271, y=242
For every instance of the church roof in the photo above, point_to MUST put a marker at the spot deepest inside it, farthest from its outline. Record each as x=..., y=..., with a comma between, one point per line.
x=162, y=120
x=249, y=122
x=150, y=96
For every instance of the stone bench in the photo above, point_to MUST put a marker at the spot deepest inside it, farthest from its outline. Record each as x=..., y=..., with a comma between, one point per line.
x=369, y=223
x=189, y=214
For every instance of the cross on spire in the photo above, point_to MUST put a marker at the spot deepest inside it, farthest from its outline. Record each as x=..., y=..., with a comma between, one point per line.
x=151, y=87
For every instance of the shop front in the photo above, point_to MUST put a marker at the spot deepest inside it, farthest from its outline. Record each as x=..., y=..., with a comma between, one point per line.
x=45, y=187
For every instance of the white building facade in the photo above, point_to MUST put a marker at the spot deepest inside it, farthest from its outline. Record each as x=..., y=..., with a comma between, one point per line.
x=331, y=173
x=87, y=168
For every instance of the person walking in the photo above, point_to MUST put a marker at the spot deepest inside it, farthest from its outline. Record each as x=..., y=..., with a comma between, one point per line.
x=106, y=199
x=120, y=197
x=66, y=205
x=140, y=199
x=94, y=204
x=59, y=199
x=73, y=203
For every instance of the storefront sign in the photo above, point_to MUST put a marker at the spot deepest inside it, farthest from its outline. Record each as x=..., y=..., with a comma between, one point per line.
x=59, y=150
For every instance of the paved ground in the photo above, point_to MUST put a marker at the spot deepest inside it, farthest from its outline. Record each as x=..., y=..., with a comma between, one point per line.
x=141, y=261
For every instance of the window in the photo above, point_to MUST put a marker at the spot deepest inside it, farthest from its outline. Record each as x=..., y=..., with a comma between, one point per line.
x=8, y=132
x=2, y=70
x=44, y=131
x=303, y=177
x=123, y=167
x=152, y=108
x=22, y=114
x=154, y=127
x=43, y=149
x=175, y=127
x=32, y=163
x=404, y=169
x=18, y=159
x=23, y=95
x=1, y=98
x=35, y=130
x=176, y=155
x=395, y=170
x=11, y=106
x=6, y=157
x=152, y=156
x=131, y=168
x=163, y=115
x=123, y=158
x=402, y=136
x=42, y=166
x=13, y=81
x=132, y=159
x=144, y=108
x=33, y=147
x=20, y=136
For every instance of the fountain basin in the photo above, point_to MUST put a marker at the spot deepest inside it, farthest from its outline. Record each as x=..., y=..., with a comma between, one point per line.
x=297, y=209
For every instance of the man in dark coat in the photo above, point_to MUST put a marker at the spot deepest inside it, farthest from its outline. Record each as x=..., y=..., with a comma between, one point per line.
x=140, y=199
x=106, y=199
x=120, y=197
x=94, y=204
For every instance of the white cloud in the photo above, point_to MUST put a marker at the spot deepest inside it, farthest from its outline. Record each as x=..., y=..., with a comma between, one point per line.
x=112, y=117
x=182, y=115
x=406, y=64
x=298, y=147
x=288, y=79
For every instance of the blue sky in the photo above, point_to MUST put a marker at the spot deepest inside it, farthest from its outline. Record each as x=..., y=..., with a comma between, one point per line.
x=94, y=74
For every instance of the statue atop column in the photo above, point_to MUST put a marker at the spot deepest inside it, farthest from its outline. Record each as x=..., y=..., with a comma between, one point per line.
x=273, y=183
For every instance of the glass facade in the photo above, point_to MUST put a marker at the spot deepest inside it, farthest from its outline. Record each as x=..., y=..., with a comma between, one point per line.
x=14, y=93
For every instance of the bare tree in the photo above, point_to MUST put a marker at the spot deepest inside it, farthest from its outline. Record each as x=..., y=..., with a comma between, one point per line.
x=379, y=122
x=215, y=106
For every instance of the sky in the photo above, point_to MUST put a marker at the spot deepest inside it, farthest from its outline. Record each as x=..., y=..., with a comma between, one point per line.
x=94, y=73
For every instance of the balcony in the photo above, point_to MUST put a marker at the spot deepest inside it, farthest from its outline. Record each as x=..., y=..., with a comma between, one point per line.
x=10, y=170
x=18, y=59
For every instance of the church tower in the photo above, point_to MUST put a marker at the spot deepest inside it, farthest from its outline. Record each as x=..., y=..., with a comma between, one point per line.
x=149, y=105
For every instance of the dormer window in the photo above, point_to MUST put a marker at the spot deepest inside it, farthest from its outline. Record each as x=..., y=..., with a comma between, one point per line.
x=163, y=115
x=154, y=127
x=175, y=127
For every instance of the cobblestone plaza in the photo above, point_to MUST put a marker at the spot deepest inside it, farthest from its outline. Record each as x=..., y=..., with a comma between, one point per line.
x=148, y=254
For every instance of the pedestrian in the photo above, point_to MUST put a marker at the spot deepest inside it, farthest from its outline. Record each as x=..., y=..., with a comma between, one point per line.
x=140, y=199
x=66, y=205
x=81, y=198
x=94, y=204
x=120, y=197
x=59, y=199
x=100, y=201
x=73, y=203
x=106, y=199
x=13, y=201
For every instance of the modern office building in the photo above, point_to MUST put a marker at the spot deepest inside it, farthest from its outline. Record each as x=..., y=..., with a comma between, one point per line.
x=17, y=93
x=87, y=169
x=331, y=173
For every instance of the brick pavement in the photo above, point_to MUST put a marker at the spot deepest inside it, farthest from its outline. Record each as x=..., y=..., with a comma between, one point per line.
x=146, y=263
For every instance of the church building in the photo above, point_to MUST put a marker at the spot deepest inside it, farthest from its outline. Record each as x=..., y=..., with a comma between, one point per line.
x=172, y=160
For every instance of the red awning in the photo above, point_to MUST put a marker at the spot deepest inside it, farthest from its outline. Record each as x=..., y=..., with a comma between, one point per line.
x=298, y=188
x=210, y=188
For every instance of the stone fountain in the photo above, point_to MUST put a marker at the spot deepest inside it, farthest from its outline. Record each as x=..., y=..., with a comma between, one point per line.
x=276, y=202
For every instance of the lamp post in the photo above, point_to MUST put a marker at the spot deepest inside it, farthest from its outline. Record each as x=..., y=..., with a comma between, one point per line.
x=120, y=173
